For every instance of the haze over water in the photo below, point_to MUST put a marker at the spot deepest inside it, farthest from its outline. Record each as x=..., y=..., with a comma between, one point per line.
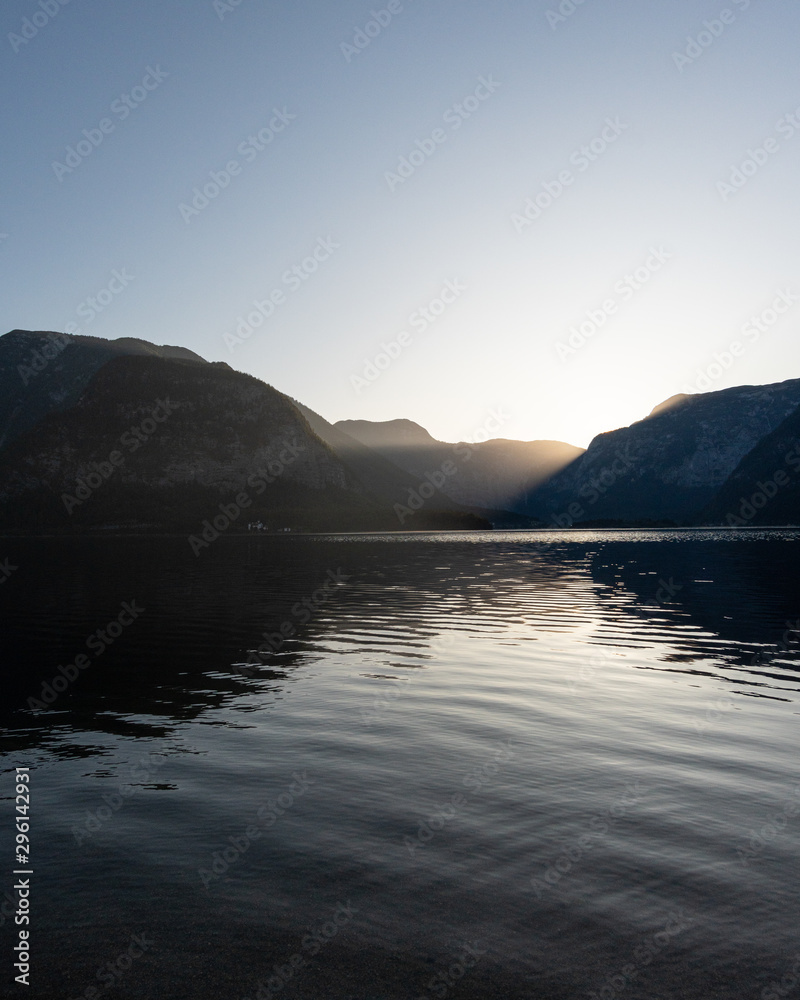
x=534, y=765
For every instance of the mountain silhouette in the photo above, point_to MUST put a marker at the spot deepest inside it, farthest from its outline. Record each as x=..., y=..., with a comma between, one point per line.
x=125, y=435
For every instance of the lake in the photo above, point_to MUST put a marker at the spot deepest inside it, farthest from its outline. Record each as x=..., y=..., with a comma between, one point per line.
x=506, y=764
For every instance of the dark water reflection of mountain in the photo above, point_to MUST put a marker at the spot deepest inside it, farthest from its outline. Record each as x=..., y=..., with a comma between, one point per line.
x=211, y=628
x=742, y=597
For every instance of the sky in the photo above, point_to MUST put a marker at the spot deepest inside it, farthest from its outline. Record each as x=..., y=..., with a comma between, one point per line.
x=538, y=217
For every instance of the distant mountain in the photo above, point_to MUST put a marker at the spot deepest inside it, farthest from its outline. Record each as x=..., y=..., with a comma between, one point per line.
x=122, y=434
x=670, y=465
x=388, y=434
x=383, y=477
x=490, y=475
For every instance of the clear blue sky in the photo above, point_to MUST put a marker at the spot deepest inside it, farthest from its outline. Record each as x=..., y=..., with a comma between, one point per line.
x=332, y=113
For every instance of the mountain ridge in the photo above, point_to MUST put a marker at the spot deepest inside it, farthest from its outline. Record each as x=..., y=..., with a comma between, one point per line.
x=133, y=437
x=106, y=435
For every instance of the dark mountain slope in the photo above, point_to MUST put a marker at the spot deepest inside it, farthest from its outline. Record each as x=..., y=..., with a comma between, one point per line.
x=161, y=443
x=670, y=465
x=765, y=486
x=43, y=372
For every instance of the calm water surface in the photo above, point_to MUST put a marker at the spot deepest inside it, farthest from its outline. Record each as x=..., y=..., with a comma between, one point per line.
x=518, y=765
